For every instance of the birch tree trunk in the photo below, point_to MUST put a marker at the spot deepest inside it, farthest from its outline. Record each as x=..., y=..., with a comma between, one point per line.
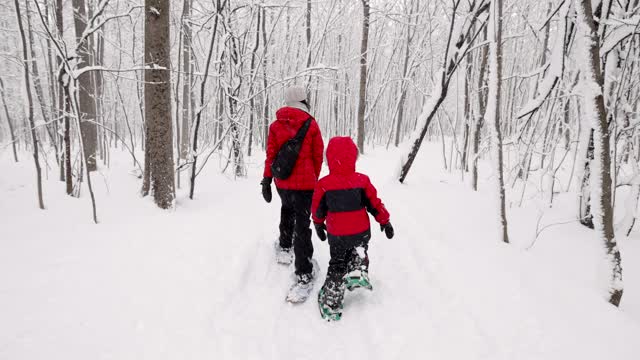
x=186, y=87
x=362, y=101
x=493, y=106
x=157, y=97
x=27, y=84
x=594, y=109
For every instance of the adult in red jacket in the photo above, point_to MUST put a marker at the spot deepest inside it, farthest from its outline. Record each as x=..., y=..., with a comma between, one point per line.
x=297, y=190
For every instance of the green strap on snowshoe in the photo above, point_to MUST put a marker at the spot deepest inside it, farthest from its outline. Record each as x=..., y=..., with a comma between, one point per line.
x=354, y=282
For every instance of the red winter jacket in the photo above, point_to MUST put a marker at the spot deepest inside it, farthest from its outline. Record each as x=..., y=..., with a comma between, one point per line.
x=307, y=169
x=343, y=197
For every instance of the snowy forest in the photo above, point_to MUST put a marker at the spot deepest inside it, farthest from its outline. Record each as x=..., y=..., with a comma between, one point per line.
x=502, y=135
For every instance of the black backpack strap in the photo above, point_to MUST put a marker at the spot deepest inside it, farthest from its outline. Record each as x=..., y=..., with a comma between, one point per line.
x=302, y=133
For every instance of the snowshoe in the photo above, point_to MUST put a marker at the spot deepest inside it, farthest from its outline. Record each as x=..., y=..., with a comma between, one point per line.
x=357, y=279
x=301, y=289
x=284, y=256
x=327, y=312
x=303, y=286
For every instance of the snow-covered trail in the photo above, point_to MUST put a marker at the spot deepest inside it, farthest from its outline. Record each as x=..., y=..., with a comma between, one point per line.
x=201, y=281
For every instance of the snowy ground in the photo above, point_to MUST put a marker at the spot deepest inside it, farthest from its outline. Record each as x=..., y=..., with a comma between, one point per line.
x=200, y=281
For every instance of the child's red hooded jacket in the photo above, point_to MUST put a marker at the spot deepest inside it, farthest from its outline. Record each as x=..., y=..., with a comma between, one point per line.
x=343, y=197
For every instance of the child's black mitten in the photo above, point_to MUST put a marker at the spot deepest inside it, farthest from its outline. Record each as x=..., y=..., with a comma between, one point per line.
x=388, y=230
x=321, y=230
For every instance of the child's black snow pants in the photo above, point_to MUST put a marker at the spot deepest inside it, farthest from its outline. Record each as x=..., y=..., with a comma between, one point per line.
x=295, y=227
x=344, y=259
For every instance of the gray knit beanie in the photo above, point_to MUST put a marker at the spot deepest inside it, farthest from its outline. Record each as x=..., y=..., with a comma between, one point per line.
x=296, y=97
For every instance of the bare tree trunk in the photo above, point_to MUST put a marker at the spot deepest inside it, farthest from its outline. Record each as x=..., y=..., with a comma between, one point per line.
x=157, y=97
x=68, y=177
x=476, y=147
x=146, y=173
x=184, y=60
x=9, y=121
x=86, y=95
x=566, y=119
x=177, y=97
x=265, y=115
x=234, y=84
x=482, y=104
x=235, y=140
x=362, y=101
x=27, y=84
x=252, y=76
x=203, y=87
x=186, y=87
x=37, y=85
x=98, y=81
x=467, y=114
x=308, y=33
x=54, y=109
x=543, y=61
x=600, y=177
x=73, y=104
x=493, y=106
x=413, y=152
x=140, y=98
x=62, y=104
x=403, y=87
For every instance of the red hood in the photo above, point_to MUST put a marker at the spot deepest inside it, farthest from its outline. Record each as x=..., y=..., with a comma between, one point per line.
x=291, y=115
x=342, y=154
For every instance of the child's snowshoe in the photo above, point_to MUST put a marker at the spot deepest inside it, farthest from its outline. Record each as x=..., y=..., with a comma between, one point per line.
x=330, y=300
x=327, y=312
x=357, y=279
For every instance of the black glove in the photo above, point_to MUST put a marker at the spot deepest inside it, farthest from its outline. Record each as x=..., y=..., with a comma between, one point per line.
x=266, y=189
x=388, y=230
x=321, y=230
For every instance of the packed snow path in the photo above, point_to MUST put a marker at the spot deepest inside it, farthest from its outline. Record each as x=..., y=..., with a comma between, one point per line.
x=201, y=281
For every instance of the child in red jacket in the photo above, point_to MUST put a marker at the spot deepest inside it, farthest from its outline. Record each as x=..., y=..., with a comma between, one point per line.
x=342, y=199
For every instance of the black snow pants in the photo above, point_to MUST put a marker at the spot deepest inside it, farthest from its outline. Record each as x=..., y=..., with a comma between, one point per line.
x=345, y=257
x=295, y=229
